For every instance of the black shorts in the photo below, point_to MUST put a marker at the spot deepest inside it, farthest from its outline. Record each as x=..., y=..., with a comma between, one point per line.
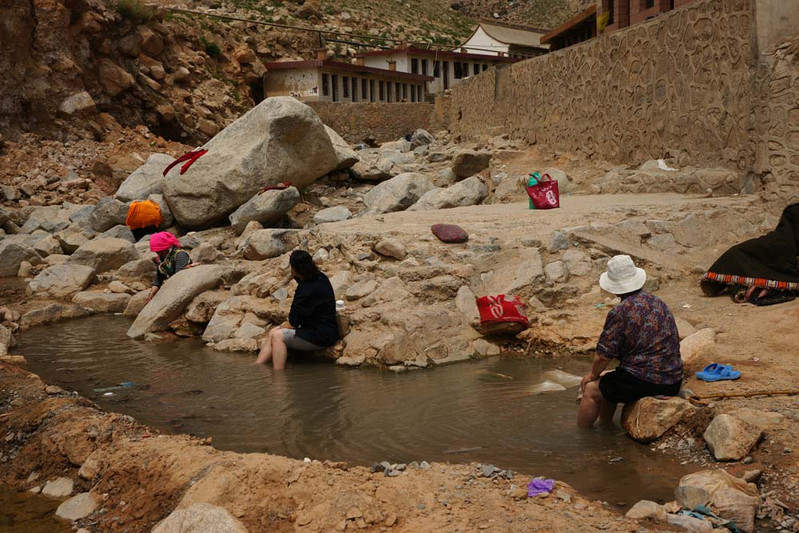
x=619, y=386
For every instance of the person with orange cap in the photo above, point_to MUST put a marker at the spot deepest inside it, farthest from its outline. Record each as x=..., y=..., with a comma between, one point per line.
x=171, y=259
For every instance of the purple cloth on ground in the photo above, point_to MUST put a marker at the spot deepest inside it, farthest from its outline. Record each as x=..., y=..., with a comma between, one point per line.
x=540, y=485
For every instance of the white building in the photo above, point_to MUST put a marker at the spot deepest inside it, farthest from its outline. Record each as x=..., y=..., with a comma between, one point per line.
x=447, y=68
x=330, y=81
x=510, y=40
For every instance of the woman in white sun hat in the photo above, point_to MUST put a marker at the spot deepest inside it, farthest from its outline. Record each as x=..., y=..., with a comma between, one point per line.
x=642, y=335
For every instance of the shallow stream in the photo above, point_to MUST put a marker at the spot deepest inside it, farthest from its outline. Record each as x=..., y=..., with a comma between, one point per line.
x=479, y=411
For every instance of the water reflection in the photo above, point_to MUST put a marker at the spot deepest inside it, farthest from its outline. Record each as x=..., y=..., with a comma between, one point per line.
x=481, y=411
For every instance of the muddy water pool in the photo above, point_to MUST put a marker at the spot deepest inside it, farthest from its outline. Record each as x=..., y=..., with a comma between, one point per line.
x=478, y=411
x=29, y=513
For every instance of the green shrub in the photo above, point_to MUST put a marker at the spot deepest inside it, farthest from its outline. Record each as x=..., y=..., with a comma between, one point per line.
x=212, y=49
x=135, y=10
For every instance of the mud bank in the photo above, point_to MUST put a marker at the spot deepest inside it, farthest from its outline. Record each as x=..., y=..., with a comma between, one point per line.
x=138, y=477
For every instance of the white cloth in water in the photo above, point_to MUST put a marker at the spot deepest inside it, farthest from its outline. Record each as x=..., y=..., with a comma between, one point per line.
x=562, y=378
x=546, y=386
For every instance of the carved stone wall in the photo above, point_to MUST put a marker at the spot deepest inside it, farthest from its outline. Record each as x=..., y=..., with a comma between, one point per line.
x=682, y=83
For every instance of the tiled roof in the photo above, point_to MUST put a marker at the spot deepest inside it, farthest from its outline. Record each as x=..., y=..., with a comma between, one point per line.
x=513, y=34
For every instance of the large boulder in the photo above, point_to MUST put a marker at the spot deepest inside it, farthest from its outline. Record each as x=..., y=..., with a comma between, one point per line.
x=105, y=254
x=77, y=507
x=102, y=302
x=421, y=137
x=61, y=281
x=72, y=238
x=265, y=208
x=109, y=212
x=344, y=153
x=730, y=497
x=12, y=254
x=146, y=180
x=469, y=162
x=470, y=191
x=372, y=168
x=730, y=438
x=173, y=297
x=200, y=518
x=118, y=232
x=648, y=419
x=398, y=193
x=697, y=344
x=48, y=218
x=279, y=140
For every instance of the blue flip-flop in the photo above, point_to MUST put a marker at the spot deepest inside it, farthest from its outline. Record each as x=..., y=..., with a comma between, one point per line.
x=717, y=372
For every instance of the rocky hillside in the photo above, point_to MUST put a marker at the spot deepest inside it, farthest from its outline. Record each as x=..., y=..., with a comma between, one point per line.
x=187, y=75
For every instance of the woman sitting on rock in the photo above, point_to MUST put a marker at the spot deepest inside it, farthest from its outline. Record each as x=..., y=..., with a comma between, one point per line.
x=171, y=259
x=312, y=321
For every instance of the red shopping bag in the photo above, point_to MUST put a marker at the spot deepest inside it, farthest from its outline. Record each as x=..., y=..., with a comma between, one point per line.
x=501, y=308
x=544, y=194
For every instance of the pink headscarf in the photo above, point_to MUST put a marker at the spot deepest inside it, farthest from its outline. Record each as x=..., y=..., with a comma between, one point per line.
x=162, y=241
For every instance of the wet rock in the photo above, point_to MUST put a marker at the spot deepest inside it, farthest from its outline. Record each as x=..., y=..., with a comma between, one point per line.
x=562, y=378
x=52, y=313
x=470, y=191
x=332, y=214
x=485, y=348
x=109, y=212
x=469, y=162
x=136, y=304
x=279, y=140
x=104, y=254
x=174, y=296
x=546, y=386
x=649, y=418
x=345, y=155
x=146, y=180
x=647, y=509
x=391, y=248
x=61, y=281
x=102, y=302
x=266, y=208
x=263, y=244
x=78, y=507
x=12, y=254
x=697, y=344
x=200, y=518
x=731, y=439
x=118, y=232
x=361, y=289
x=398, y=193
x=731, y=498
x=58, y=488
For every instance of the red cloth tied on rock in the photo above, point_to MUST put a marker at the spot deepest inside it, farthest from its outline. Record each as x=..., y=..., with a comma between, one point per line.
x=501, y=308
x=187, y=160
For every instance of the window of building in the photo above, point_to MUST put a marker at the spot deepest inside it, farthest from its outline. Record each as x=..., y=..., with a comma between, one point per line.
x=325, y=84
x=371, y=90
x=405, y=91
x=419, y=93
x=414, y=65
x=465, y=70
x=476, y=69
x=346, y=86
x=364, y=89
x=382, y=91
x=334, y=83
x=413, y=93
x=388, y=92
x=424, y=67
x=436, y=69
x=445, y=74
x=354, y=89
x=485, y=67
x=398, y=91
x=647, y=4
x=456, y=71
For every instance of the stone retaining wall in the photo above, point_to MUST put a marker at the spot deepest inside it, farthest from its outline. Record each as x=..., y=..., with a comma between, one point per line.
x=682, y=83
x=382, y=121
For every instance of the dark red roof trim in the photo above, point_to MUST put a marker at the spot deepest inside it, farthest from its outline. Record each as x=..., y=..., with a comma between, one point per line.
x=444, y=54
x=569, y=24
x=344, y=67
